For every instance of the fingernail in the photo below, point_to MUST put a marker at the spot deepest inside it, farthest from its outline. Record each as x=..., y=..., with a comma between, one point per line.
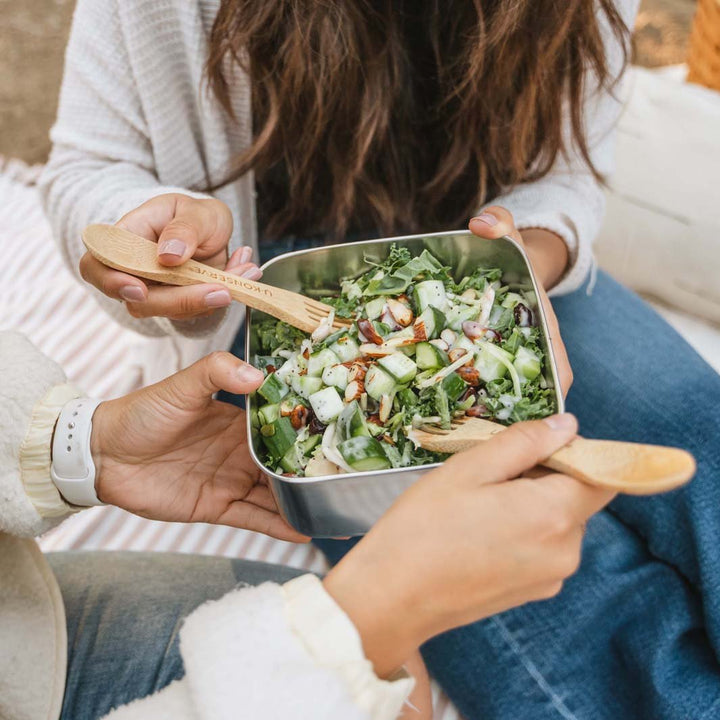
x=560, y=423
x=249, y=374
x=254, y=273
x=172, y=247
x=245, y=255
x=131, y=293
x=486, y=218
x=218, y=298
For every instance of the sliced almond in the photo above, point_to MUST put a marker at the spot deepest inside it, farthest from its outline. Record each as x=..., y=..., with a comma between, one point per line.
x=369, y=332
x=354, y=390
x=457, y=353
x=385, y=408
x=402, y=314
x=419, y=331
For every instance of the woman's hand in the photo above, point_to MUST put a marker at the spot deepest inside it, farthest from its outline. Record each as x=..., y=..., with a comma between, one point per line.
x=172, y=452
x=183, y=228
x=549, y=257
x=463, y=543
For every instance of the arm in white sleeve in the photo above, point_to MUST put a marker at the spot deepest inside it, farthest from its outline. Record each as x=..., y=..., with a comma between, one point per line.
x=101, y=165
x=569, y=201
x=32, y=393
x=273, y=652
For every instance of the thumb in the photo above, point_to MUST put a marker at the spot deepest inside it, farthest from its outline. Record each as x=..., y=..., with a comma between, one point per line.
x=494, y=222
x=217, y=371
x=198, y=228
x=514, y=450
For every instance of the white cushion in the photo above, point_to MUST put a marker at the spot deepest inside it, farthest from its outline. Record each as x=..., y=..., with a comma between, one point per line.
x=661, y=235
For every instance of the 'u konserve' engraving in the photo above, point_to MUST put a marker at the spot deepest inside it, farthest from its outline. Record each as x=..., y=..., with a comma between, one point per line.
x=239, y=282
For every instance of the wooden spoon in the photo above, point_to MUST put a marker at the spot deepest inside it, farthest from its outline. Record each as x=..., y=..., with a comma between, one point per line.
x=122, y=250
x=625, y=467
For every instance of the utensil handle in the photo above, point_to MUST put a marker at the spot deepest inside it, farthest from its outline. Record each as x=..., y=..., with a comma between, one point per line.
x=631, y=468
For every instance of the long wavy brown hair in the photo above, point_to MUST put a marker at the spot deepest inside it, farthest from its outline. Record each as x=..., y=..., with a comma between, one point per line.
x=407, y=115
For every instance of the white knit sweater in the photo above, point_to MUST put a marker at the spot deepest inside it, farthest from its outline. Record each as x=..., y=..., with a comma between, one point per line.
x=136, y=121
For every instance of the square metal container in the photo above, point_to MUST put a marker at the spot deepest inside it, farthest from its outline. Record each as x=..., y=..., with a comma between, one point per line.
x=349, y=504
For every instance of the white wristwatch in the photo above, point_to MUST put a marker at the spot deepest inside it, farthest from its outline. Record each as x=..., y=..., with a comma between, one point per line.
x=72, y=469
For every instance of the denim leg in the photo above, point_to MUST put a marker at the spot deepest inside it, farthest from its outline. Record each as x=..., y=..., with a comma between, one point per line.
x=124, y=612
x=637, y=379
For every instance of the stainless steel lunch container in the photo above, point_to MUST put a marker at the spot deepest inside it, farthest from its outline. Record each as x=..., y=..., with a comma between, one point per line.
x=349, y=504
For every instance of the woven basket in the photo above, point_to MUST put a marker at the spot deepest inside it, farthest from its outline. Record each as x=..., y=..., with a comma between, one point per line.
x=704, y=54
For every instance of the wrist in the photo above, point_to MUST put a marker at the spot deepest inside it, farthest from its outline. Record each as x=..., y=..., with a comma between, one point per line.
x=386, y=618
x=97, y=444
x=548, y=254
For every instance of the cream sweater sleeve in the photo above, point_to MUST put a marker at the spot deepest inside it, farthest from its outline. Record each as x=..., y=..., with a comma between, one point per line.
x=32, y=393
x=102, y=165
x=273, y=652
x=569, y=201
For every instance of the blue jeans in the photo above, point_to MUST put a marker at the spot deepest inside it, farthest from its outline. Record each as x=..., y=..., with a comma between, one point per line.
x=636, y=632
x=124, y=611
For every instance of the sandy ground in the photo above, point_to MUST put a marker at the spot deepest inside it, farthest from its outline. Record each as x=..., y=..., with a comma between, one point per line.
x=33, y=34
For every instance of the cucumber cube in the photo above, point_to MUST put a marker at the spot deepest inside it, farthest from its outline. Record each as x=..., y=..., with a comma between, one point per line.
x=400, y=366
x=431, y=293
x=336, y=376
x=527, y=363
x=459, y=314
x=379, y=383
x=268, y=413
x=364, y=454
x=429, y=357
x=489, y=366
x=327, y=404
x=346, y=348
x=434, y=321
x=305, y=386
x=454, y=386
x=278, y=436
x=319, y=361
x=273, y=389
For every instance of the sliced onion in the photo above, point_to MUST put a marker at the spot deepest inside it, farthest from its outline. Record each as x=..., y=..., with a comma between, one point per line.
x=448, y=336
x=324, y=328
x=486, y=303
x=330, y=451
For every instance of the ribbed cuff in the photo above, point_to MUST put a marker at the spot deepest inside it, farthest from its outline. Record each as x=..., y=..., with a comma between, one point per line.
x=333, y=642
x=35, y=453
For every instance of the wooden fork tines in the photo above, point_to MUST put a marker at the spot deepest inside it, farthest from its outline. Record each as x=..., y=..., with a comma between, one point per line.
x=631, y=468
x=124, y=251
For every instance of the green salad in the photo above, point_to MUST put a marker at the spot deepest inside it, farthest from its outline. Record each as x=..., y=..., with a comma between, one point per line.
x=422, y=348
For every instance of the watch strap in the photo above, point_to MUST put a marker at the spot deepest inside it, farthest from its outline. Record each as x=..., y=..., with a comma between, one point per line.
x=72, y=468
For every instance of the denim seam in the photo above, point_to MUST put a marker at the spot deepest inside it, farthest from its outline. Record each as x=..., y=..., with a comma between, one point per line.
x=533, y=671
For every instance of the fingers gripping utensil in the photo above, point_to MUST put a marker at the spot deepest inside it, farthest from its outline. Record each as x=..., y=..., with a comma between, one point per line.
x=631, y=468
x=130, y=253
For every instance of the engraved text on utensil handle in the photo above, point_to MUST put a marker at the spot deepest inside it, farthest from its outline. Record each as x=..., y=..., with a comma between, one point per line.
x=230, y=280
